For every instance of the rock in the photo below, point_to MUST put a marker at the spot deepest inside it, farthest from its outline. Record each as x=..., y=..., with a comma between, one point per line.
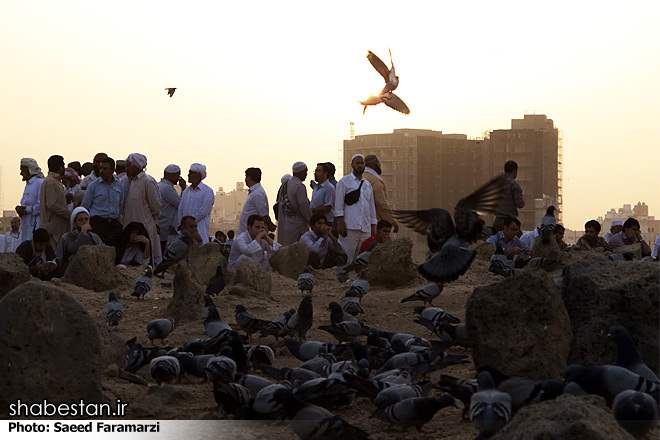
x=290, y=260
x=133, y=378
x=145, y=407
x=548, y=251
x=520, y=326
x=113, y=347
x=49, y=348
x=188, y=298
x=390, y=264
x=112, y=370
x=13, y=272
x=204, y=262
x=250, y=275
x=600, y=293
x=170, y=394
x=567, y=417
x=485, y=250
x=93, y=268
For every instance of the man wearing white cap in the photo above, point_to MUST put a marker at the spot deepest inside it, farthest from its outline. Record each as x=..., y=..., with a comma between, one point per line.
x=170, y=200
x=355, y=210
x=294, y=210
x=29, y=210
x=617, y=226
x=197, y=201
x=81, y=235
x=141, y=200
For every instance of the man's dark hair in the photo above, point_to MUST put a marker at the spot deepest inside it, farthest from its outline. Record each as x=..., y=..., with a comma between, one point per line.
x=316, y=217
x=219, y=234
x=86, y=169
x=55, y=163
x=255, y=218
x=75, y=165
x=383, y=224
x=254, y=174
x=41, y=236
x=109, y=161
x=630, y=223
x=559, y=228
x=230, y=234
x=331, y=168
x=120, y=166
x=184, y=219
x=510, y=166
x=509, y=220
x=326, y=168
x=592, y=224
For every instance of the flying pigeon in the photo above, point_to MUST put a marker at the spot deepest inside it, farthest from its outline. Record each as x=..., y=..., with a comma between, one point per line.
x=451, y=241
x=490, y=409
x=627, y=355
x=160, y=328
x=177, y=250
x=427, y=294
x=306, y=281
x=142, y=284
x=636, y=412
x=170, y=90
x=114, y=311
x=390, y=99
x=391, y=83
x=548, y=224
x=216, y=283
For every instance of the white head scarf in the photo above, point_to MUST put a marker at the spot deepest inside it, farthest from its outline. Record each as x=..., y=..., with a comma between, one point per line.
x=199, y=168
x=75, y=213
x=137, y=159
x=33, y=167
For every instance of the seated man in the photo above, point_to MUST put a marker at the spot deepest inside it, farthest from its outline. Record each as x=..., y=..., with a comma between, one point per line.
x=590, y=240
x=558, y=233
x=221, y=239
x=383, y=235
x=253, y=243
x=656, y=249
x=617, y=226
x=528, y=238
x=325, y=250
x=510, y=243
x=189, y=223
x=39, y=255
x=81, y=234
x=133, y=246
x=630, y=234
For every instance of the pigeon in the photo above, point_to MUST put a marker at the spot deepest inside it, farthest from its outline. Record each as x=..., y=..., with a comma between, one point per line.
x=291, y=374
x=159, y=329
x=318, y=364
x=310, y=421
x=165, y=369
x=636, y=412
x=376, y=356
x=307, y=350
x=462, y=389
x=346, y=331
x=427, y=294
x=261, y=355
x=216, y=283
x=337, y=314
x=431, y=317
x=415, y=411
x=525, y=392
x=360, y=262
x=397, y=393
x=454, y=334
x=138, y=356
x=142, y=284
x=231, y=397
x=351, y=305
x=359, y=287
x=248, y=322
x=627, y=355
x=177, y=251
x=306, y=281
x=390, y=99
x=220, y=368
x=490, y=409
x=214, y=326
x=170, y=90
x=208, y=304
x=389, y=75
x=609, y=380
x=548, y=224
x=277, y=327
x=302, y=320
x=451, y=241
x=265, y=407
x=114, y=311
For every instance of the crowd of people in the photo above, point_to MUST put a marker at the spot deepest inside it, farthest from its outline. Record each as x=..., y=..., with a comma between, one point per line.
x=117, y=204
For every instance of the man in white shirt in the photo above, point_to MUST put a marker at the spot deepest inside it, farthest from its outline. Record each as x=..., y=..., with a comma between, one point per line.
x=325, y=250
x=168, y=221
x=256, y=202
x=12, y=239
x=357, y=221
x=528, y=237
x=29, y=210
x=253, y=243
x=197, y=201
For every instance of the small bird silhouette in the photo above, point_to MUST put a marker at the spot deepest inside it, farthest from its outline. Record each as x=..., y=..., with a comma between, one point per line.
x=170, y=90
x=391, y=83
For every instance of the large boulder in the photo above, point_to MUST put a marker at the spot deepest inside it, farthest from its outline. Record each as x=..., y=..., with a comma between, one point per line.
x=13, y=272
x=290, y=260
x=602, y=293
x=49, y=348
x=249, y=280
x=390, y=264
x=93, y=268
x=520, y=326
x=484, y=250
x=188, y=298
x=204, y=262
x=549, y=251
x=567, y=417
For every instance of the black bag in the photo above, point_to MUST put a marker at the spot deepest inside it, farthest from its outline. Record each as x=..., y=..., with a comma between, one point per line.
x=352, y=197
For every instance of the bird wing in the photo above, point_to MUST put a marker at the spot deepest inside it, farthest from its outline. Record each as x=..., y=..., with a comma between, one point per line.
x=379, y=65
x=393, y=101
x=421, y=221
x=484, y=200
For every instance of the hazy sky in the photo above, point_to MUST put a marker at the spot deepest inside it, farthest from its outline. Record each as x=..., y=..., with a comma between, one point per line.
x=270, y=83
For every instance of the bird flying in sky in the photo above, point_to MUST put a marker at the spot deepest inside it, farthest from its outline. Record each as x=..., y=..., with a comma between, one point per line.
x=170, y=90
x=391, y=83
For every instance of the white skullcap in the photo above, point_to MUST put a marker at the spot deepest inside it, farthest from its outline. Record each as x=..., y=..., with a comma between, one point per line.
x=617, y=223
x=298, y=166
x=75, y=213
x=285, y=178
x=137, y=159
x=33, y=167
x=199, y=168
x=357, y=155
x=172, y=168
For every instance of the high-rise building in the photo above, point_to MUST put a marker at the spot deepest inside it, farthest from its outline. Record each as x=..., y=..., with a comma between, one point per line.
x=227, y=208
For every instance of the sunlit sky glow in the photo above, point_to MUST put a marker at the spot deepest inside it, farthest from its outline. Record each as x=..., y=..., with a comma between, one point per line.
x=269, y=83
